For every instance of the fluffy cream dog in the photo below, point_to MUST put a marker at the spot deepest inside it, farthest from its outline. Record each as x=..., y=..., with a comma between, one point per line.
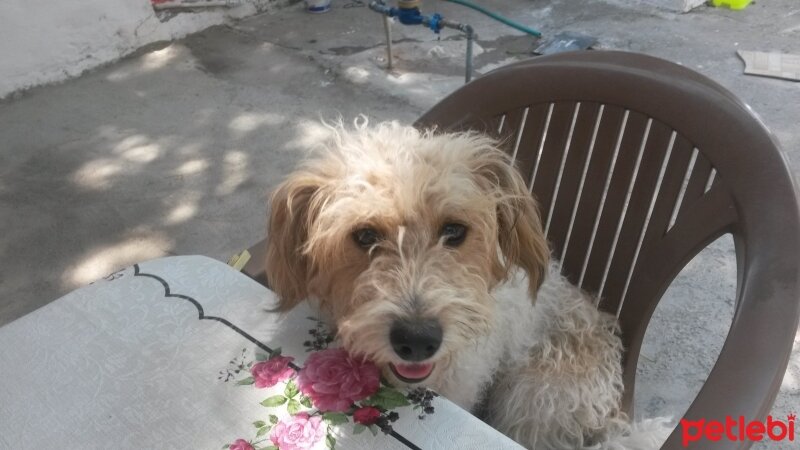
x=426, y=252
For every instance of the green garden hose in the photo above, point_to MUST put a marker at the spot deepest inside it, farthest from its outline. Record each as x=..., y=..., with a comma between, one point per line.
x=497, y=17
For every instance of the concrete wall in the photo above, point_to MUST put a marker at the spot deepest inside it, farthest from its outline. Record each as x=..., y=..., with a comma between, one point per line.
x=44, y=41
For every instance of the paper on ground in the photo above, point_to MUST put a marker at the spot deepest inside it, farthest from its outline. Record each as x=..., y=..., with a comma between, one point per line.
x=778, y=65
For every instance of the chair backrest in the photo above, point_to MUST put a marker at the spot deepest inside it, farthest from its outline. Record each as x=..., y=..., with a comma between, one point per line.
x=637, y=165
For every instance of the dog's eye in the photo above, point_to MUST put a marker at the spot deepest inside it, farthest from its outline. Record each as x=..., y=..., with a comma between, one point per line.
x=366, y=237
x=454, y=234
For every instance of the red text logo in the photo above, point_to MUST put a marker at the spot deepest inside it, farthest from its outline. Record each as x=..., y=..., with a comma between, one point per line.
x=738, y=429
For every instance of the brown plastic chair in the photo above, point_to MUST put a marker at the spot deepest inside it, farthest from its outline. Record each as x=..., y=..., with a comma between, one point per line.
x=638, y=164
x=670, y=161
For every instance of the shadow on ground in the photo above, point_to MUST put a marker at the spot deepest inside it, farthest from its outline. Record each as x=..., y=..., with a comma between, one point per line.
x=172, y=151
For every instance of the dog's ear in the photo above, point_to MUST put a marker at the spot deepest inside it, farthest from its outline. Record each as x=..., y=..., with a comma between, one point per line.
x=291, y=215
x=520, y=234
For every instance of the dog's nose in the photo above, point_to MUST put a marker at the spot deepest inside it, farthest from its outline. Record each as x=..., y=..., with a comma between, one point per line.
x=416, y=339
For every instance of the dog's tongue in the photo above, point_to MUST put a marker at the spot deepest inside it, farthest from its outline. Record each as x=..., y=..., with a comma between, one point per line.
x=414, y=371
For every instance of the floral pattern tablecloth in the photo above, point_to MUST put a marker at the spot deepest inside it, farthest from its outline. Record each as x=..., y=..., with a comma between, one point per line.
x=180, y=353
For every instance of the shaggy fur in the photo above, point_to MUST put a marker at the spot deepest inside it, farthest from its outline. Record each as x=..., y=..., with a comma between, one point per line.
x=538, y=359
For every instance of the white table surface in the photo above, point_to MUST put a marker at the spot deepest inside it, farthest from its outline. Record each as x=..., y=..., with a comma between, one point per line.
x=131, y=362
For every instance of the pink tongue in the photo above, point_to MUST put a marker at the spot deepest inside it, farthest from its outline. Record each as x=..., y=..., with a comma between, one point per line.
x=414, y=371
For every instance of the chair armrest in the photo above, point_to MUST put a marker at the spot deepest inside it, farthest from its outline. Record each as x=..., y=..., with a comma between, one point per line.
x=749, y=371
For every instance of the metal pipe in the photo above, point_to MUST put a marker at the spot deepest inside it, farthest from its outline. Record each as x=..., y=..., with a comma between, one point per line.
x=470, y=39
x=199, y=4
x=379, y=7
x=387, y=27
x=410, y=15
x=469, y=32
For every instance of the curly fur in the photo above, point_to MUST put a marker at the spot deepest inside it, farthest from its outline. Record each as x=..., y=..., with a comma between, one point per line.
x=539, y=360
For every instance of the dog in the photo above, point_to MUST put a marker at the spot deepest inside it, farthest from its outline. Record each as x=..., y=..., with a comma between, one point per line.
x=425, y=250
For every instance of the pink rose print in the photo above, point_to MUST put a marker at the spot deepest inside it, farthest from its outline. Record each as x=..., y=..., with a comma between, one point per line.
x=366, y=415
x=240, y=444
x=271, y=372
x=299, y=432
x=334, y=380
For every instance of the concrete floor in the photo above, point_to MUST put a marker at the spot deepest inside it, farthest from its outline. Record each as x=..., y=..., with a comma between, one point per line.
x=172, y=150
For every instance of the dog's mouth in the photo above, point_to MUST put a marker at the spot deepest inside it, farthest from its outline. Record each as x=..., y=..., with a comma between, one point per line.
x=412, y=373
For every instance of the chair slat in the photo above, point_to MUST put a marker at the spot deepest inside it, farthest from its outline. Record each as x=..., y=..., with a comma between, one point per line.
x=658, y=143
x=670, y=189
x=612, y=208
x=551, y=157
x=567, y=196
x=697, y=182
x=508, y=133
x=531, y=139
x=607, y=133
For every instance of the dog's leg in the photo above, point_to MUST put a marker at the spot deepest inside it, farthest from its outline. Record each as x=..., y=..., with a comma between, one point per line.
x=566, y=393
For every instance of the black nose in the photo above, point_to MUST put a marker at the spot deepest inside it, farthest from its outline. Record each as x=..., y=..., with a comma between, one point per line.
x=416, y=339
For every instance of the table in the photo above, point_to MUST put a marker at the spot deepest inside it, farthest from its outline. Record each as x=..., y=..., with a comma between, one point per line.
x=146, y=359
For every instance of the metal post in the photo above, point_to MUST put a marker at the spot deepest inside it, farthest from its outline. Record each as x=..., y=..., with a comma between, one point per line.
x=387, y=27
x=470, y=38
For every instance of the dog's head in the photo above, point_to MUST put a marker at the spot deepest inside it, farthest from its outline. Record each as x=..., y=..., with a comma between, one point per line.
x=401, y=235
